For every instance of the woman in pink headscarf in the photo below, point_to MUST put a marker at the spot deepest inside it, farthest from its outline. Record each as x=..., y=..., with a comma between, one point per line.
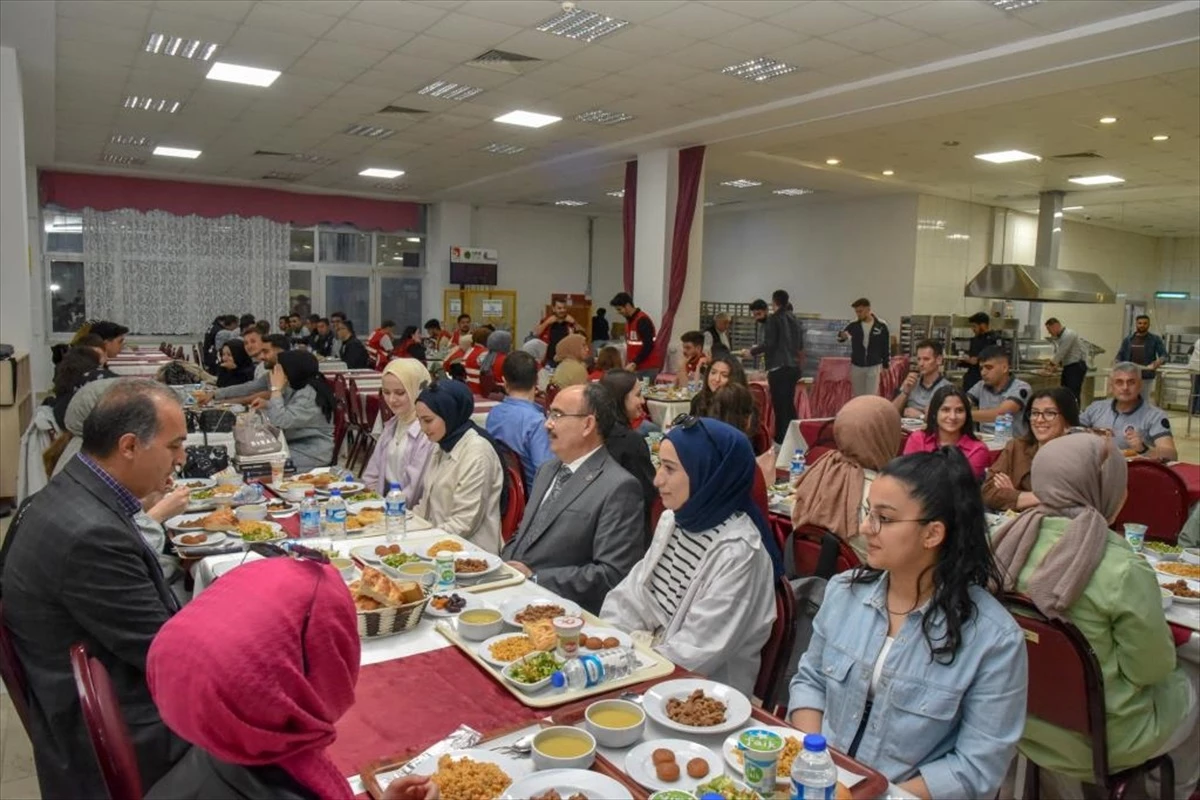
x=255, y=673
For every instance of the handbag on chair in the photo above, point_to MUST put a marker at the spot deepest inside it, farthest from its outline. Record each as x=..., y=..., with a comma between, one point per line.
x=255, y=436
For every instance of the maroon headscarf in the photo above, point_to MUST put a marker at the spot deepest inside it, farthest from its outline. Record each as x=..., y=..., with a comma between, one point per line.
x=233, y=674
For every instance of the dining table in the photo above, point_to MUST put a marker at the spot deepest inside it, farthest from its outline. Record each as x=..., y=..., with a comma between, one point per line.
x=664, y=406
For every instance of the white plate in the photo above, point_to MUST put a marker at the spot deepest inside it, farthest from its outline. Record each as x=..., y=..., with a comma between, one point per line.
x=567, y=782
x=515, y=605
x=195, y=484
x=623, y=639
x=472, y=602
x=729, y=750
x=354, y=508
x=516, y=770
x=1190, y=555
x=1158, y=568
x=639, y=764
x=737, y=707
x=213, y=538
x=275, y=526
x=185, y=522
x=493, y=563
x=484, y=649
x=1193, y=585
x=346, y=487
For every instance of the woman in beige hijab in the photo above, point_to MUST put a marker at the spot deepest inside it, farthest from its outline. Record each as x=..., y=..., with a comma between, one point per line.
x=1063, y=556
x=571, y=361
x=403, y=452
x=830, y=493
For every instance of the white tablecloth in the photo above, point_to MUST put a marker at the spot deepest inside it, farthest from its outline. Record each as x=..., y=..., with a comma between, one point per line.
x=663, y=411
x=144, y=369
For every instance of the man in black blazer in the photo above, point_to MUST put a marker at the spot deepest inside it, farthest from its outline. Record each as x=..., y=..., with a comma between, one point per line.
x=582, y=529
x=76, y=569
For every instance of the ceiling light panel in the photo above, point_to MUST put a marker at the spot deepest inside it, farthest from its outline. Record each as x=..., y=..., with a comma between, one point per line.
x=376, y=172
x=129, y=140
x=144, y=103
x=759, y=70
x=176, y=152
x=444, y=90
x=165, y=45
x=571, y=203
x=741, y=183
x=125, y=161
x=527, y=119
x=581, y=25
x=500, y=149
x=1007, y=157
x=236, y=73
x=370, y=131
x=1013, y=5
x=1162, y=137
x=618, y=193
x=599, y=116
x=793, y=192
x=1096, y=180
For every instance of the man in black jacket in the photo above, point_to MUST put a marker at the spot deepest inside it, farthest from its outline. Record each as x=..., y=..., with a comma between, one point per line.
x=783, y=345
x=870, y=347
x=354, y=352
x=75, y=568
x=984, y=338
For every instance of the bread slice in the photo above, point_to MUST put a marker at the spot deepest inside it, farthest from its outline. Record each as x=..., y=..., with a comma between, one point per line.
x=381, y=588
x=541, y=633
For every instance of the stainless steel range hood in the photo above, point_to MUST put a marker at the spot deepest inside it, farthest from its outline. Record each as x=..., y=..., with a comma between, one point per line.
x=1021, y=282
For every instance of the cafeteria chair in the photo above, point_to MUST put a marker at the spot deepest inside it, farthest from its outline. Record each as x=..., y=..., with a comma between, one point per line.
x=341, y=418
x=803, y=406
x=822, y=553
x=832, y=388
x=778, y=649
x=106, y=726
x=13, y=673
x=1158, y=499
x=517, y=495
x=1066, y=689
x=766, y=410
x=487, y=384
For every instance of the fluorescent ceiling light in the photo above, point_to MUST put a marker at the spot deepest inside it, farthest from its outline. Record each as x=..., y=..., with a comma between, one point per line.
x=1007, y=156
x=758, y=70
x=599, y=116
x=54, y=287
x=833, y=162
x=234, y=73
x=931, y=224
x=1072, y=208
x=152, y=104
x=1013, y=5
x=570, y=202
x=376, y=172
x=527, y=119
x=580, y=25
x=1107, y=120
x=1172, y=295
x=741, y=183
x=958, y=237
x=176, y=152
x=710, y=203
x=444, y=90
x=796, y=192
x=889, y=172
x=162, y=44
x=618, y=193
x=1096, y=180
x=370, y=131
x=413, y=239
x=501, y=149
x=1161, y=137
x=129, y=140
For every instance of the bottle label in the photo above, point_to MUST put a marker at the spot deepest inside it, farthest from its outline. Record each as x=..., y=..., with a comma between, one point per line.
x=593, y=670
x=802, y=792
x=310, y=517
x=335, y=515
x=395, y=507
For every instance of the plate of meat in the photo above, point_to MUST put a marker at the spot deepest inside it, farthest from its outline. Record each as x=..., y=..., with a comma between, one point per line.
x=696, y=706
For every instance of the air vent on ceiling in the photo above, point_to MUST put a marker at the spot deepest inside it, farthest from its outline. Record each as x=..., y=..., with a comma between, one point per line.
x=538, y=203
x=503, y=61
x=270, y=153
x=401, y=110
x=124, y=161
x=1076, y=156
x=290, y=177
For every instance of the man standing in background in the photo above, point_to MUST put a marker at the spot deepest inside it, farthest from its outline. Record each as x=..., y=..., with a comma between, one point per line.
x=1145, y=348
x=870, y=347
x=1068, y=355
x=639, y=337
x=984, y=338
x=556, y=327
x=783, y=346
x=716, y=338
x=600, y=325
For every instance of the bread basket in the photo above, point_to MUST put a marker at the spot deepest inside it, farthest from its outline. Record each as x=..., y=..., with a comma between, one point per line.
x=390, y=620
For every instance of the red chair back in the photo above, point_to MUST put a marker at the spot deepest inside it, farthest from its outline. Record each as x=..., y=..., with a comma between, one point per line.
x=766, y=411
x=831, y=388
x=1158, y=499
x=778, y=649
x=758, y=493
x=803, y=406
x=656, y=511
x=106, y=726
x=487, y=383
x=551, y=393
x=13, y=673
x=806, y=551
x=515, y=478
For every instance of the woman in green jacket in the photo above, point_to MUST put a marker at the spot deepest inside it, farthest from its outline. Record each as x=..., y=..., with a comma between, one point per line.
x=1063, y=556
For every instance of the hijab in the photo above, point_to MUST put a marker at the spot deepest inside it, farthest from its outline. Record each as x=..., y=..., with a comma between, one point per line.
x=573, y=345
x=1081, y=477
x=302, y=369
x=720, y=465
x=454, y=403
x=411, y=374
x=243, y=365
x=259, y=668
x=498, y=342
x=867, y=432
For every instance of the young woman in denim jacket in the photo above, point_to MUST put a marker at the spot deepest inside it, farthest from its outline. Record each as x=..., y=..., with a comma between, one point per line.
x=914, y=667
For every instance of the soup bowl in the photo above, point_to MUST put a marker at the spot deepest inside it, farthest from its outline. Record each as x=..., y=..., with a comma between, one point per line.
x=615, y=723
x=563, y=747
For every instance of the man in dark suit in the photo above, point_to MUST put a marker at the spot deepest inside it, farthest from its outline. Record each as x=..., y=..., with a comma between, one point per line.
x=76, y=569
x=582, y=528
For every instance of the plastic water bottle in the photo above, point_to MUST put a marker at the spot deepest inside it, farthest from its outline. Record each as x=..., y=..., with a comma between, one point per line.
x=814, y=775
x=310, y=516
x=335, y=515
x=1003, y=428
x=395, y=513
x=797, y=467
x=593, y=668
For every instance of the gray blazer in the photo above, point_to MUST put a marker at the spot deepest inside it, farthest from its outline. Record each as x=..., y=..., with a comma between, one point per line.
x=590, y=536
x=76, y=569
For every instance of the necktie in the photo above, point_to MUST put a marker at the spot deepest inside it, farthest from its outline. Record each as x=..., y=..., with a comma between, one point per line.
x=560, y=478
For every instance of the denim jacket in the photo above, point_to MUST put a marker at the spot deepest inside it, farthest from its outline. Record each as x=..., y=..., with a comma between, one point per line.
x=957, y=724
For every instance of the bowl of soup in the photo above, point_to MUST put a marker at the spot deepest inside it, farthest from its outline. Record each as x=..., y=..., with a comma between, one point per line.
x=478, y=624
x=563, y=747
x=615, y=723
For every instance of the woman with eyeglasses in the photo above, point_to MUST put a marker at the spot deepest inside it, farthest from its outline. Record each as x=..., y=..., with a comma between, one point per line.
x=1049, y=414
x=948, y=424
x=301, y=405
x=260, y=702
x=1063, y=556
x=704, y=594
x=402, y=455
x=914, y=667
x=465, y=479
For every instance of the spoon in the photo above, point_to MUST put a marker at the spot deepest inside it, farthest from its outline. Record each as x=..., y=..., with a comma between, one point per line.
x=632, y=697
x=520, y=747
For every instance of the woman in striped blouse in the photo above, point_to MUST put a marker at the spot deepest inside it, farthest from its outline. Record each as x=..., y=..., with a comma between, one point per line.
x=704, y=593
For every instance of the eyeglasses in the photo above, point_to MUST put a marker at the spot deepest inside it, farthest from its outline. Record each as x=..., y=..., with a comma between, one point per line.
x=875, y=521
x=1049, y=414
x=555, y=414
x=688, y=421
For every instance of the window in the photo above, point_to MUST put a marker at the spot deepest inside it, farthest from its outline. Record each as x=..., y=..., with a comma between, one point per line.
x=302, y=246
x=400, y=250
x=345, y=248
x=64, y=232
x=300, y=299
x=67, y=306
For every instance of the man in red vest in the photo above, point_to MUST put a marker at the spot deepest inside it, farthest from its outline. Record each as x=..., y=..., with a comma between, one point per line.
x=639, y=338
x=463, y=329
x=379, y=346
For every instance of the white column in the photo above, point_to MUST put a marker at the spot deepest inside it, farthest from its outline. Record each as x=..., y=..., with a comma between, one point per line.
x=656, y=190
x=16, y=318
x=449, y=224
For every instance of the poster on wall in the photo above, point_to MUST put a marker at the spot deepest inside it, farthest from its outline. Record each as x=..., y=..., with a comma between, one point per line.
x=455, y=306
x=493, y=308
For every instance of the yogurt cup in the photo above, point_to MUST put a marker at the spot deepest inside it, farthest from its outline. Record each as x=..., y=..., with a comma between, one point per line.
x=568, y=630
x=760, y=756
x=1135, y=535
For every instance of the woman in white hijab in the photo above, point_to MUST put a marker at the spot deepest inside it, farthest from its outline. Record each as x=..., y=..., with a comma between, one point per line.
x=403, y=451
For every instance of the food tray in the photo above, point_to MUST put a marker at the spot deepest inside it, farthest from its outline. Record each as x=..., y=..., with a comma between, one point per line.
x=659, y=667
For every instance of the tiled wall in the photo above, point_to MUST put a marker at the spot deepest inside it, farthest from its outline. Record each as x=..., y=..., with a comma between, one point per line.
x=953, y=243
x=1178, y=271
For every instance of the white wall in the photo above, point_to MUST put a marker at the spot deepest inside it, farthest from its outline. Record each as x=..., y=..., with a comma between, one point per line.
x=824, y=255
x=16, y=319
x=1178, y=271
x=946, y=260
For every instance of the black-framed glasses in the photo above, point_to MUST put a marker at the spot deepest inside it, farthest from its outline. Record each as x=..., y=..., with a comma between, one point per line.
x=875, y=522
x=689, y=421
x=555, y=414
x=1048, y=414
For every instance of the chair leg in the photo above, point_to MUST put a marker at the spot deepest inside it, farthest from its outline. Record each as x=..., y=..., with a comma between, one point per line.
x=1166, y=778
x=1032, y=784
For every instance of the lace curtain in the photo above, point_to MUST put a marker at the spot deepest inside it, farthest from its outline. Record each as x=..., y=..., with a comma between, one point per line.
x=161, y=274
